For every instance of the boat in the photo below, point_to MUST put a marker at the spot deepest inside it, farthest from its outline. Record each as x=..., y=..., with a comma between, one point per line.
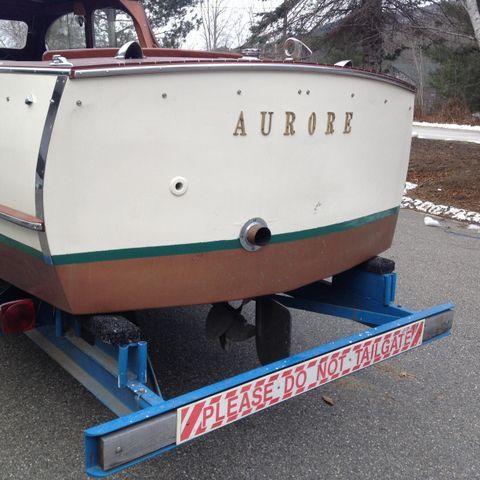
x=135, y=176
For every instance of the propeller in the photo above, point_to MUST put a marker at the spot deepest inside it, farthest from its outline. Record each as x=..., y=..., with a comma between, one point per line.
x=228, y=324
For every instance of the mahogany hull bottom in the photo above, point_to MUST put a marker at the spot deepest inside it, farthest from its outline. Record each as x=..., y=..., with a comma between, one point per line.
x=198, y=278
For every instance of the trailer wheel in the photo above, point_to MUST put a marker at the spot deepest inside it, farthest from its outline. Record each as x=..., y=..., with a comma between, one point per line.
x=273, y=330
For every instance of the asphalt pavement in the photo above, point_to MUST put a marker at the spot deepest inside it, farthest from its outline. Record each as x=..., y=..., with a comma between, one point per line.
x=413, y=417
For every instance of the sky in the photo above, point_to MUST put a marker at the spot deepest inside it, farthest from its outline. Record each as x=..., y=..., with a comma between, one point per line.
x=238, y=13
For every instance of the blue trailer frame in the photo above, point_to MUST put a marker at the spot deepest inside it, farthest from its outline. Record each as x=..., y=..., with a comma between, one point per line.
x=147, y=423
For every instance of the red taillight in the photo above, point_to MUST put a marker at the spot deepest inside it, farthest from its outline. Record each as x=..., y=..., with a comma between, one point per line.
x=17, y=316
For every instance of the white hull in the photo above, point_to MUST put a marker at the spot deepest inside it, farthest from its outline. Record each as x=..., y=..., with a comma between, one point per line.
x=112, y=159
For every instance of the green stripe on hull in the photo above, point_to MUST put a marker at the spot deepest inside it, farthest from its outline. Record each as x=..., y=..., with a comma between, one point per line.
x=192, y=248
x=9, y=242
x=337, y=227
x=205, y=247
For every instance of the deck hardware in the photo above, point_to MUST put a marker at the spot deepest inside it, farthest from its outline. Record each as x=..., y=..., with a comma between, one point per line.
x=294, y=49
x=239, y=92
x=29, y=99
x=164, y=95
x=308, y=92
x=7, y=99
x=250, y=53
x=79, y=103
x=352, y=95
x=344, y=63
x=60, y=60
x=179, y=186
x=385, y=101
x=299, y=92
x=130, y=50
x=255, y=234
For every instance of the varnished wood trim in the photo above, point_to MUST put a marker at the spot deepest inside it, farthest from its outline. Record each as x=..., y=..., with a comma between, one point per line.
x=90, y=53
x=22, y=219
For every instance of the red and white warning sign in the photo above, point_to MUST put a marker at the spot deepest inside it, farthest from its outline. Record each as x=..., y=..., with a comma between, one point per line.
x=226, y=407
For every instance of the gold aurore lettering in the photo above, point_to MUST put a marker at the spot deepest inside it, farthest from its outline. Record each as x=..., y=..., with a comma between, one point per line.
x=263, y=129
x=240, y=128
x=293, y=124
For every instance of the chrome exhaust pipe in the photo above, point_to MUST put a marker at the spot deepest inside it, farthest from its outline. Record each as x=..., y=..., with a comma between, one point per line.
x=255, y=234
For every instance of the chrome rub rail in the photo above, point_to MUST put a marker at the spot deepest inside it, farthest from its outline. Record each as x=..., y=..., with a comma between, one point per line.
x=230, y=66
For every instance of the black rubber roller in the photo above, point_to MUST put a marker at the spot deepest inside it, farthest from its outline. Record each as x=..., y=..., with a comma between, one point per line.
x=112, y=329
x=378, y=265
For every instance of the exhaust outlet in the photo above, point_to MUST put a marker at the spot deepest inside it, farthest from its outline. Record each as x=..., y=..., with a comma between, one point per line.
x=255, y=234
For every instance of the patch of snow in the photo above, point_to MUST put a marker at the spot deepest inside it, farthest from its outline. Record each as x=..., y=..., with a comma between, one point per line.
x=410, y=186
x=449, y=132
x=472, y=226
x=431, y=222
x=448, y=125
x=440, y=210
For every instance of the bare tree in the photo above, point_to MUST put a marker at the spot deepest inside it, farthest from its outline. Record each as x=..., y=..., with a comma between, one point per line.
x=239, y=30
x=471, y=6
x=419, y=64
x=363, y=24
x=214, y=20
x=13, y=34
x=241, y=23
